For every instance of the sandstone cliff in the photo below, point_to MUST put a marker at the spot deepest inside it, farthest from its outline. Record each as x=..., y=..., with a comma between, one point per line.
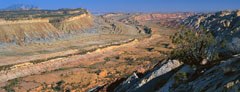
x=75, y=23
x=41, y=29
x=19, y=31
x=46, y=26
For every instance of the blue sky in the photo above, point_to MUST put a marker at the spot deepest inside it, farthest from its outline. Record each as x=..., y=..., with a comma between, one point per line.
x=131, y=5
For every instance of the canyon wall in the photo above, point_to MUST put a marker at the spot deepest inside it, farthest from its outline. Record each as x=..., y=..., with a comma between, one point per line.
x=18, y=32
x=27, y=31
x=75, y=23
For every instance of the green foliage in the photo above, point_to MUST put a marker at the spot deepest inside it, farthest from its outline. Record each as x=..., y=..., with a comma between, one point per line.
x=180, y=77
x=107, y=59
x=147, y=30
x=117, y=57
x=58, y=86
x=12, y=83
x=149, y=49
x=193, y=46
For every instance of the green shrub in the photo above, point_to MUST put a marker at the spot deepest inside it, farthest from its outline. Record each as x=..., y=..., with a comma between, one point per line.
x=193, y=46
x=179, y=78
x=147, y=30
x=107, y=59
x=11, y=85
x=59, y=86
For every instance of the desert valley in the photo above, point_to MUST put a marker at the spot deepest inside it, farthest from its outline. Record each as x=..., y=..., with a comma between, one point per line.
x=73, y=50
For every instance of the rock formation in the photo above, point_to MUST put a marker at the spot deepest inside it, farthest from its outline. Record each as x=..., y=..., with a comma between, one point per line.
x=22, y=30
x=42, y=26
x=150, y=80
x=225, y=25
x=173, y=76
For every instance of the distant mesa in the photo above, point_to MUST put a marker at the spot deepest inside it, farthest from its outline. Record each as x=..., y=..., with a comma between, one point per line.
x=21, y=7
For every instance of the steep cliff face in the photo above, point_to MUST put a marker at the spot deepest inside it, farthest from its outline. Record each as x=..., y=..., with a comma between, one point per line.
x=19, y=31
x=75, y=23
x=41, y=29
x=45, y=26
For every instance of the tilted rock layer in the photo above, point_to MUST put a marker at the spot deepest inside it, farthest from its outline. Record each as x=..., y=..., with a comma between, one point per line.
x=222, y=77
x=20, y=31
x=172, y=76
x=225, y=25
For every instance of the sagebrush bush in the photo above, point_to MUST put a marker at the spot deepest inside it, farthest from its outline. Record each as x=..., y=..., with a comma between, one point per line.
x=147, y=30
x=193, y=46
